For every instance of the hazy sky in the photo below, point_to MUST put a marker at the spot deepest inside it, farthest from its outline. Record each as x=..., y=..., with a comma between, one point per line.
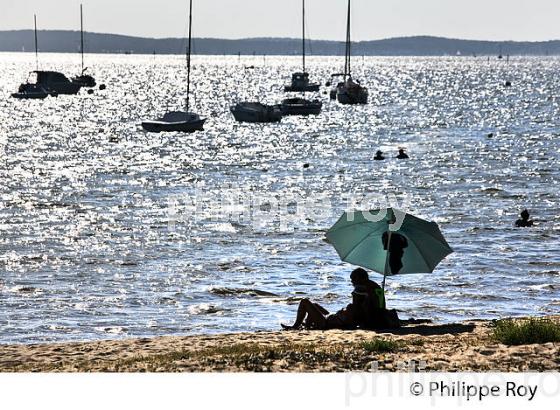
x=373, y=19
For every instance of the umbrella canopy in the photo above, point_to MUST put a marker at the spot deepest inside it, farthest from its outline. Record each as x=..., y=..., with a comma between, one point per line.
x=388, y=241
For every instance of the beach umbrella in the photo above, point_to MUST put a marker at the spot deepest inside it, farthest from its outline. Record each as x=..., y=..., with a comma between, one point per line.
x=388, y=241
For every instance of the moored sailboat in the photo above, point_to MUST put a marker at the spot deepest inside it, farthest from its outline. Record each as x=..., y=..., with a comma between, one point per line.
x=84, y=80
x=300, y=82
x=349, y=91
x=182, y=121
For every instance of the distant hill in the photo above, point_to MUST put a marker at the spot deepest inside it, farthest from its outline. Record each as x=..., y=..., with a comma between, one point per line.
x=69, y=41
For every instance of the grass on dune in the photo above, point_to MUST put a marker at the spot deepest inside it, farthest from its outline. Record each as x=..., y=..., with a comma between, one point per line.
x=529, y=331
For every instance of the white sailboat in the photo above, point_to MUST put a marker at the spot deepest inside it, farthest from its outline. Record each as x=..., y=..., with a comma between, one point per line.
x=349, y=91
x=300, y=82
x=84, y=80
x=182, y=121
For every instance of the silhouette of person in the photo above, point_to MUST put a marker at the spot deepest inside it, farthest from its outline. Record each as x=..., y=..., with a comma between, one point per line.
x=396, y=250
x=379, y=156
x=402, y=154
x=524, y=222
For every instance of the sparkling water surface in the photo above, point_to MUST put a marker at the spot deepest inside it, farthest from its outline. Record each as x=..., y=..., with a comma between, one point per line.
x=98, y=238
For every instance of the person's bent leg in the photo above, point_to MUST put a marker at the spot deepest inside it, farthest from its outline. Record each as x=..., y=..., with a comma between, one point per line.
x=308, y=310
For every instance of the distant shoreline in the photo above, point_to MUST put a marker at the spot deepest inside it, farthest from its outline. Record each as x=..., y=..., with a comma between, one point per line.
x=66, y=41
x=466, y=346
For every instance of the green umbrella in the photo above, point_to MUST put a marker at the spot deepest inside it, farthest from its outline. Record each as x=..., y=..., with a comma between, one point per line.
x=414, y=245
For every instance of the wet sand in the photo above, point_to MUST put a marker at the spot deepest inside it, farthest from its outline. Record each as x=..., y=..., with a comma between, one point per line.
x=466, y=346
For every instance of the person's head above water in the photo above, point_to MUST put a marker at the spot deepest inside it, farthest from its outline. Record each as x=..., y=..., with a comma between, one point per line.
x=401, y=150
x=525, y=214
x=379, y=153
x=359, y=276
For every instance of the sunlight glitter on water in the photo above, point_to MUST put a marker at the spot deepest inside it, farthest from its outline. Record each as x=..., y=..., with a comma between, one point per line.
x=86, y=249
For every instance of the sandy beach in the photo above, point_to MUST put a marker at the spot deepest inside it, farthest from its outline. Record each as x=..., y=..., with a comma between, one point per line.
x=467, y=346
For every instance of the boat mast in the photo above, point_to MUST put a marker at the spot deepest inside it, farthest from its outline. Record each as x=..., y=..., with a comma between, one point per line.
x=347, y=57
x=303, y=36
x=36, y=47
x=189, y=56
x=82, y=36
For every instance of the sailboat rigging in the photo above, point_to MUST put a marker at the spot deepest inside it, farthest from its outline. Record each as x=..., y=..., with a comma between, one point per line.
x=178, y=120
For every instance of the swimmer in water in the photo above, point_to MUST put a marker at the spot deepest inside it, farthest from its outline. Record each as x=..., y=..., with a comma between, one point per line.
x=379, y=156
x=524, y=222
x=402, y=154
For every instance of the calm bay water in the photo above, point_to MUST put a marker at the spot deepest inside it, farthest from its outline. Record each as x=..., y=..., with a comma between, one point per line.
x=87, y=250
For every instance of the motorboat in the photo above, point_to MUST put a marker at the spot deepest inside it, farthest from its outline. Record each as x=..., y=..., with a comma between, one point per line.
x=47, y=83
x=301, y=106
x=256, y=112
x=179, y=121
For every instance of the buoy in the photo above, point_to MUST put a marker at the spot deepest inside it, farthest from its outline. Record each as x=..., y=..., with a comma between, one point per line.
x=490, y=135
x=306, y=165
x=328, y=84
x=508, y=83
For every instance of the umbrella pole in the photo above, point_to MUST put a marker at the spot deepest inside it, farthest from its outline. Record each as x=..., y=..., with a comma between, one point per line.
x=386, y=269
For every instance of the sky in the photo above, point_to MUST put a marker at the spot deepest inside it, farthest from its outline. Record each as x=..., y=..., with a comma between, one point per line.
x=521, y=20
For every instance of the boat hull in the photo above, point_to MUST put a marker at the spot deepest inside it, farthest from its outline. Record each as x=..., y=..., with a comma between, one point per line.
x=302, y=108
x=180, y=126
x=30, y=96
x=263, y=114
x=347, y=97
x=298, y=88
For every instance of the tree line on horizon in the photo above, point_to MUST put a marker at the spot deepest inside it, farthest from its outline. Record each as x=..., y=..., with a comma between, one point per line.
x=66, y=41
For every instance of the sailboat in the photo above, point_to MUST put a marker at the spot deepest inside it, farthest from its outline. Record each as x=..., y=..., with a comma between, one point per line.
x=178, y=120
x=46, y=83
x=300, y=82
x=83, y=79
x=349, y=91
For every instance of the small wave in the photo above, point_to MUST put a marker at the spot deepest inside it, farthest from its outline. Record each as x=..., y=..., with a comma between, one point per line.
x=545, y=286
x=204, y=309
x=111, y=329
x=239, y=291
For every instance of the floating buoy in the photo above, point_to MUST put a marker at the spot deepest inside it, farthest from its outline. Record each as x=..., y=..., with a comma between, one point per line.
x=102, y=87
x=328, y=84
x=490, y=135
x=306, y=165
x=508, y=83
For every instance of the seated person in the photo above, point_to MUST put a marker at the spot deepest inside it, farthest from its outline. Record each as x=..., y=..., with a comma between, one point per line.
x=524, y=222
x=367, y=299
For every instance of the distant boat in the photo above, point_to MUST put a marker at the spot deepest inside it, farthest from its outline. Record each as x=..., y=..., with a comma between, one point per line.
x=83, y=79
x=349, y=91
x=179, y=120
x=256, y=112
x=301, y=106
x=300, y=80
x=46, y=83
